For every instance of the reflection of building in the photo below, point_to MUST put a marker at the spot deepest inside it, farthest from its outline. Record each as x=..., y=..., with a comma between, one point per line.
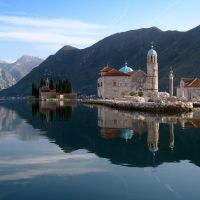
x=50, y=109
x=191, y=119
x=116, y=124
x=114, y=83
x=114, y=121
x=127, y=134
x=171, y=136
x=153, y=136
x=189, y=88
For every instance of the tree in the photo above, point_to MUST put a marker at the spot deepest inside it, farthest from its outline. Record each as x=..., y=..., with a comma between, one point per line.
x=42, y=82
x=56, y=88
x=64, y=86
x=35, y=90
x=69, y=87
x=51, y=84
x=59, y=86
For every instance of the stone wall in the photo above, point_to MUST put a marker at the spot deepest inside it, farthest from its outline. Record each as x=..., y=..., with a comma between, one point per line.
x=188, y=93
x=111, y=87
x=47, y=95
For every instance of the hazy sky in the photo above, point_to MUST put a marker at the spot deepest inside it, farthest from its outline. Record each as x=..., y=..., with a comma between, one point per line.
x=41, y=27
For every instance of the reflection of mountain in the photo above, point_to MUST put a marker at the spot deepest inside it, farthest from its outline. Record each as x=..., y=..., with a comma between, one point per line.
x=9, y=121
x=122, y=143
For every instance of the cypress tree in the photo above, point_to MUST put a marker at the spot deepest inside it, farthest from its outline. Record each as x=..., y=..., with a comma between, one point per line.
x=42, y=82
x=33, y=89
x=51, y=84
x=56, y=88
x=69, y=87
x=59, y=86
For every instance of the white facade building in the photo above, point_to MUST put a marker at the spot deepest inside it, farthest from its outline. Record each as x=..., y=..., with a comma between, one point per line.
x=113, y=83
x=189, y=88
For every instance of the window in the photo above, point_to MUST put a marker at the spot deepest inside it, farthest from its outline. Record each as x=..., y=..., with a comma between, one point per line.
x=114, y=84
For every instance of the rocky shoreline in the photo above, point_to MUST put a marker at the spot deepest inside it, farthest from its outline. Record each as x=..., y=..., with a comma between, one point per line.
x=153, y=107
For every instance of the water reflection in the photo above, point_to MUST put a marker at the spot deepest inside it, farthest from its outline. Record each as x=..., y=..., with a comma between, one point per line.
x=50, y=110
x=127, y=125
x=124, y=138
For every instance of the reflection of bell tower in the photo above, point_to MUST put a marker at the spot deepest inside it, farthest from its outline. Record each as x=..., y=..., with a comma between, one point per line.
x=152, y=72
x=171, y=137
x=153, y=136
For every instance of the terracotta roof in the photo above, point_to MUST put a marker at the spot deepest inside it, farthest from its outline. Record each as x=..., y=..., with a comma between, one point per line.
x=191, y=82
x=106, y=69
x=109, y=133
x=109, y=71
x=192, y=123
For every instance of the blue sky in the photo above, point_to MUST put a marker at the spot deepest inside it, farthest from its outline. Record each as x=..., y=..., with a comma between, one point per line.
x=41, y=27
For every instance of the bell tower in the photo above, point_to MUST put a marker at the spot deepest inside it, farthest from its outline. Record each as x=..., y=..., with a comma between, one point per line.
x=152, y=72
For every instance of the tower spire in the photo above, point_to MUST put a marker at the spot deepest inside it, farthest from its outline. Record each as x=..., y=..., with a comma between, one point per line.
x=152, y=44
x=171, y=80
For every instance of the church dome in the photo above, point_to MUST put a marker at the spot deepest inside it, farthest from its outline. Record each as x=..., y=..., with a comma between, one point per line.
x=126, y=69
x=127, y=134
x=152, y=52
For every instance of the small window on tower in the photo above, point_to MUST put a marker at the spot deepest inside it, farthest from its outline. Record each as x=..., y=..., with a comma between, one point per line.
x=114, y=83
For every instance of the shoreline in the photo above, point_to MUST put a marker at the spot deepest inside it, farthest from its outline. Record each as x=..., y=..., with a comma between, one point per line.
x=170, y=107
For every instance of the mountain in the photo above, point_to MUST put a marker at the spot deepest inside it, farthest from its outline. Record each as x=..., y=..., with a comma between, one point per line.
x=81, y=66
x=10, y=73
x=6, y=79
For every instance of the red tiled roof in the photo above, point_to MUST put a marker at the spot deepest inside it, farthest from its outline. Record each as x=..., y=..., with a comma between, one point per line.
x=191, y=82
x=109, y=133
x=106, y=69
x=110, y=71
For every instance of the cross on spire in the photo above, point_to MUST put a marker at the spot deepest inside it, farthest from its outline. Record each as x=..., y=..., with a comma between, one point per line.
x=152, y=44
x=171, y=69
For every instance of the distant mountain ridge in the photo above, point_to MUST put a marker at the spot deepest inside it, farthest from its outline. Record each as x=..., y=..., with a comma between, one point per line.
x=10, y=73
x=81, y=66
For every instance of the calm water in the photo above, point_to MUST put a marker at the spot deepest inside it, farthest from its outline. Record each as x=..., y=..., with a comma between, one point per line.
x=82, y=152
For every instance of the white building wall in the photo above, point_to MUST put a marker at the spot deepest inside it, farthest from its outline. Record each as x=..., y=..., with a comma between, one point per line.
x=188, y=93
x=111, y=87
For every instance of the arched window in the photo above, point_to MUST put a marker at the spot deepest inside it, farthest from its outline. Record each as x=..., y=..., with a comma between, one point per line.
x=152, y=59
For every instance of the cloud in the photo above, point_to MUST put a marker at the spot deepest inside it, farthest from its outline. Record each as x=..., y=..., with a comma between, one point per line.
x=56, y=23
x=164, y=12
x=57, y=32
x=73, y=171
x=77, y=163
x=47, y=159
x=45, y=37
x=121, y=16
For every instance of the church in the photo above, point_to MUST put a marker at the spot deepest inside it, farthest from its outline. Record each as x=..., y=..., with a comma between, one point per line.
x=113, y=83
